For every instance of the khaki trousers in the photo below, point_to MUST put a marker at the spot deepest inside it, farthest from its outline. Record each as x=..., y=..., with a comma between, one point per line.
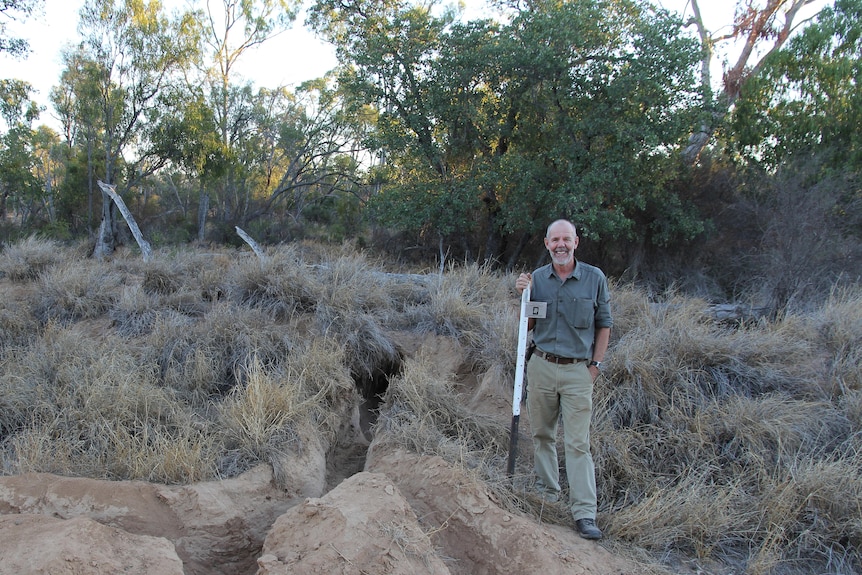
x=554, y=390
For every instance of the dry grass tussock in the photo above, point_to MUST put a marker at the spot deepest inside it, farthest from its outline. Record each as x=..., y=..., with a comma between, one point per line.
x=738, y=444
x=262, y=417
x=422, y=413
x=735, y=442
x=27, y=259
x=475, y=306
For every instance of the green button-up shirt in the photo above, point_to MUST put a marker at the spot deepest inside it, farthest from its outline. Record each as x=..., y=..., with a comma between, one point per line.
x=576, y=308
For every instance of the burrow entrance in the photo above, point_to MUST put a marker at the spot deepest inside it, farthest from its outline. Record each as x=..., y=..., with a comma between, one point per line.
x=348, y=456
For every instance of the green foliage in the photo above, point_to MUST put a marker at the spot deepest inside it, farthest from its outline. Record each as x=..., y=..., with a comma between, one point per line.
x=489, y=129
x=794, y=134
x=463, y=137
x=129, y=53
x=8, y=9
x=15, y=107
x=185, y=132
x=806, y=100
x=19, y=186
x=74, y=202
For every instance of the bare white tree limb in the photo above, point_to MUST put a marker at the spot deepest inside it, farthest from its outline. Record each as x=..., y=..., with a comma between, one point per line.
x=250, y=241
x=146, y=249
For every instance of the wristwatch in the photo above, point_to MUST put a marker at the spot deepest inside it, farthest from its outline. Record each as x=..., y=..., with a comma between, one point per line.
x=598, y=364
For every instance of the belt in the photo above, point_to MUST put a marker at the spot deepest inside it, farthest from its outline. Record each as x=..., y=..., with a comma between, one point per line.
x=556, y=358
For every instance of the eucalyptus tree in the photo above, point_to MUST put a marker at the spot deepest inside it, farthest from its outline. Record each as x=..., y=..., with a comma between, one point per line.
x=290, y=149
x=232, y=28
x=50, y=157
x=18, y=111
x=795, y=132
x=314, y=150
x=13, y=10
x=601, y=99
x=759, y=29
x=490, y=128
x=132, y=52
x=16, y=106
x=392, y=57
x=30, y=160
x=806, y=100
x=77, y=103
x=187, y=135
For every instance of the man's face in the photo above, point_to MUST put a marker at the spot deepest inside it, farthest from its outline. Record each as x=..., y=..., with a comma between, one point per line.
x=561, y=243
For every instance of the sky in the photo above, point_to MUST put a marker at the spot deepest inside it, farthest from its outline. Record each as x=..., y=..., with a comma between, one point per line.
x=298, y=54
x=288, y=59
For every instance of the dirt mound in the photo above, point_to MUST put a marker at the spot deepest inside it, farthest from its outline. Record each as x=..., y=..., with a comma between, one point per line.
x=408, y=514
x=481, y=537
x=80, y=546
x=214, y=527
x=364, y=525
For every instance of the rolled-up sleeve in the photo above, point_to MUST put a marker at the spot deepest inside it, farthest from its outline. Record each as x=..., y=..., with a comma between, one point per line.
x=603, y=305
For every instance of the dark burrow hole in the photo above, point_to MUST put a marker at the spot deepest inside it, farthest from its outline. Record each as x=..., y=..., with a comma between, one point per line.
x=372, y=388
x=348, y=455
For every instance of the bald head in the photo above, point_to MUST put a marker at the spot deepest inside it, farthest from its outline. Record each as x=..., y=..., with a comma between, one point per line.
x=558, y=224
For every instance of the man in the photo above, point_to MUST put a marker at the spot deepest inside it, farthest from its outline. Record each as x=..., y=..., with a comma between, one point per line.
x=571, y=342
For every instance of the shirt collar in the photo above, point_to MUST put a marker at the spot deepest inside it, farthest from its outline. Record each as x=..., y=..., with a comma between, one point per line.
x=576, y=273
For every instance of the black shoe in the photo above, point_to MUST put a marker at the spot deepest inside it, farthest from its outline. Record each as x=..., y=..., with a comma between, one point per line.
x=587, y=528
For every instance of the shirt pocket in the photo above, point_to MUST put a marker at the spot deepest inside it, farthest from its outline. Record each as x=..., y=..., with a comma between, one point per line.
x=581, y=314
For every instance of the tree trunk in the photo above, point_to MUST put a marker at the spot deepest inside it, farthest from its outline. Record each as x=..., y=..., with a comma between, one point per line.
x=753, y=29
x=519, y=249
x=90, y=178
x=203, y=208
x=106, y=240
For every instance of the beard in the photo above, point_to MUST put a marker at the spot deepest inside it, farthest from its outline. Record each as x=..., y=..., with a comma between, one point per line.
x=562, y=258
